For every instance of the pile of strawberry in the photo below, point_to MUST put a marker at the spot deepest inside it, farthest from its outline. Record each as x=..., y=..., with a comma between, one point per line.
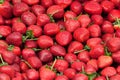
x=59, y=39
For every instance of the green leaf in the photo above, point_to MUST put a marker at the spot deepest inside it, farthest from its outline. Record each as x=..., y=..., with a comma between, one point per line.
x=51, y=18
x=29, y=34
x=87, y=47
x=10, y=47
x=1, y=36
x=1, y=1
x=107, y=53
x=92, y=76
x=24, y=39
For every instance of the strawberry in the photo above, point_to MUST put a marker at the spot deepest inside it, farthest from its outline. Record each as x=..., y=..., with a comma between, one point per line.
x=89, y=69
x=80, y=77
x=106, y=37
x=31, y=44
x=5, y=31
x=70, y=73
x=2, y=21
x=116, y=56
x=69, y=15
x=23, y=66
x=115, y=77
x=47, y=3
x=30, y=2
x=94, y=63
x=97, y=19
x=100, y=78
x=70, y=57
x=117, y=33
x=4, y=76
x=3, y=44
x=16, y=1
x=61, y=77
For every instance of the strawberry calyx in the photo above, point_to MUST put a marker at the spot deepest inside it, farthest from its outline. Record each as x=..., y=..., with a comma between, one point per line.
x=36, y=49
x=51, y=17
x=2, y=1
x=116, y=23
x=1, y=36
x=10, y=47
x=2, y=61
x=107, y=53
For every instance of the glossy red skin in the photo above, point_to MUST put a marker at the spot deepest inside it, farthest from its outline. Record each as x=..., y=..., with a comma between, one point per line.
x=93, y=7
x=14, y=38
x=20, y=8
x=61, y=24
x=32, y=74
x=24, y=76
x=2, y=21
x=51, y=29
x=8, y=70
x=116, y=3
x=89, y=69
x=16, y=1
x=31, y=44
x=108, y=71
x=6, y=9
x=31, y=2
x=115, y=77
x=80, y=76
x=113, y=14
x=45, y=56
x=118, y=69
x=71, y=25
x=26, y=53
x=5, y=30
x=36, y=30
x=4, y=76
x=75, y=46
x=97, y=19
x=46, y=3
x=107, y=37
x=61, y=65
x=116, y=56
x=107, y=27
x=56, y=11
x=61, y=77
x=94, y=63
x=70, y=57
x=113, y=44
x=8, y=22
x=92, y=42
x=117, y=33
x=84, y=56
x=78, y=65
x=76, y=7
x=46, y=74
x=95, y=30
x=63, y=38
x=23, y=66
x=100, y=78
x=84, y=20
x=97, y=51
x=16, y=67
x=58, y=50
x=45, y=41
x=35, y=62
x=19, y=27
x=69, y=15
x=9, y=57
x=3, y=44
x=38, y=9
x=42, y=19
x=81, y=34
x=15, y=20
x=63, y=3
x=104, y=61
x=18, y=76
x=70, y=73
x=107, y=6
x=28, y=18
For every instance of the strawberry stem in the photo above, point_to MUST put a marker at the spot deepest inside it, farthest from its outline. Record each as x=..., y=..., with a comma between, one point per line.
x=107, y=78
x=1, y=1
x=10, y=47
x=51, y=18
x=1, y=36
x=27, y=63
x=35, y=49
x=3, y=63
x=106, y=52
x=53, y=64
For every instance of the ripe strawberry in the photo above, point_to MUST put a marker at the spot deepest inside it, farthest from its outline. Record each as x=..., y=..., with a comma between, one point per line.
x=76, y=7
x=63, y=38
x=70, y=73
x=2, y=21
x=16, y=67
x=69, y=15
x=58, y=50
x=16, y=1
x=46, y=73
x=118, y=69
x=18, y=76
x=100, y=78
x=97, y=19
x=92, y=7
x=80, y=77
x=116, y=56
x=5, y=30
x=20, y=8
x=107, y=37
x=47, y=3
x=31, y=44
x=89, y=69
x=70, y=57
x=81, y=34
x=4, y=76
x=71, y=25
x=94, y=63
x=29, y=2
x=108, y=71
x=84, y=20
x=28, y=18
x=3, y=44
x=23, y=66
x=115, y=77
x=117, y=33
x=61, y=77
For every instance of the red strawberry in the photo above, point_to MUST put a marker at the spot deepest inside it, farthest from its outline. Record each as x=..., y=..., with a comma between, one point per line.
x=70, y=57
x=38, y=9
x=84, y=20
x=46, y=74
x=81, y=34
x=19, y=27
x=95, y=30
x=80, y=77
x=108, y=71
x=61, y=77
x=76, y=7
x=45, y=41
x=51, y=29
x=97, y=19
x=94, y=63
x=23, y=66
x=71, y=25
x=2, y=21
x=92, y=7
x=31, y=44
x=69, y=15
x=5, y=9
x=32, y=74
x=63, y=38
x=18, y=76
x=56, y=11
x=20, y=8
x=107, y=37
x=4, y=76
x=16, y=67
x=63, y=3
x=115, y=77
x=75, y=46
x=3, y=44
x=61, y=65
x=58, y=50
x=104, y=61
x=89, y=69
x=5, y=30
x=70, y=73
x=30, y=2
x=100, y=78
x=117, y=33
x=14, y=38
x=16, y=1
x=28, y=18
x=116, y=56
x=47, y=3
x=118, y=69
x=113, y=44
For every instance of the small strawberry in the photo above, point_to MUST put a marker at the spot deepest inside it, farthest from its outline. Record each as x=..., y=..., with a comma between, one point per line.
x=69, y=15
x=80, y=77
x=4, y=76
x=100, y=78
x=116, y=56
x=107, y=37
x=70, y=57
x=47, y=3
x=70, y=73
x=94, y=63
x=97, y=19
x=115, y=77
x=5, y=30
